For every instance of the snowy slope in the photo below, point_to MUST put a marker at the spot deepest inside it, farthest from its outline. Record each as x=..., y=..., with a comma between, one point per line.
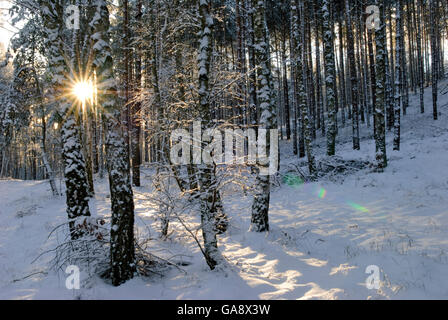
x=323, y=235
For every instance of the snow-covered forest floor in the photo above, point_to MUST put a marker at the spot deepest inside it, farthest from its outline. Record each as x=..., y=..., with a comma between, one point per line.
x=323, y=234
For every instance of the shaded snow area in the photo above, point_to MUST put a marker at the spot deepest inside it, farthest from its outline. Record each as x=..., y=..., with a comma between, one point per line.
x=323, y=234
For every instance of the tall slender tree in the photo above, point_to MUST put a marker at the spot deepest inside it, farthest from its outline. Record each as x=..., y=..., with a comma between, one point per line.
x=380, y=125
x=398, y=74
x=353, y=76
x=330, y=79
x=122, y=251
x=421, y=75
x=434, y=55
x=260, y=206
x=207, y=179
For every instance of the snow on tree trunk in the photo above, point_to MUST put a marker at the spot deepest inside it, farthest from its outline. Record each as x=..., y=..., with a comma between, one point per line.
x=292, y=44
x=136, y=109
x=298, y=10
x=266, y=105
x=48, y=168
x=380, y=126
x=330, y=79
x=398, y=74
x=77, y=197
x=253, y=113
x=122, y=251
x=208, y=184
x=342, y=71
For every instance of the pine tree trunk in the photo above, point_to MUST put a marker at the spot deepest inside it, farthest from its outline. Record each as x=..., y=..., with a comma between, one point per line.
x=302, y=69
x=342, y=71
x=434, y=56
x=136, y=109
x=353, y=77
x=421, y=75
x=398, y=73
x=404, y=73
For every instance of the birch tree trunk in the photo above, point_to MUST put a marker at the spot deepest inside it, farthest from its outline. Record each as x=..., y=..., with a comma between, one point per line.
x=77, y=197
x=207, y=180
x=122, y=252
x=266, y=105
x=380, y=125
x=330, y=78
x=297, y=8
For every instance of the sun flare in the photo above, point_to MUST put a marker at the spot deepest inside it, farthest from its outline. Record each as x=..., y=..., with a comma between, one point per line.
x=83, y=91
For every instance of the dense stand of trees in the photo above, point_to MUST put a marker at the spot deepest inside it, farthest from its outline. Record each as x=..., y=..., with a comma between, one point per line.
x=307, y=68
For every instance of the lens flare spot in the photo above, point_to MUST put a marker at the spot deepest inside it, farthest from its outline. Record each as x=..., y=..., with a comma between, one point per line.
x=357, y=206
x=322, y=193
